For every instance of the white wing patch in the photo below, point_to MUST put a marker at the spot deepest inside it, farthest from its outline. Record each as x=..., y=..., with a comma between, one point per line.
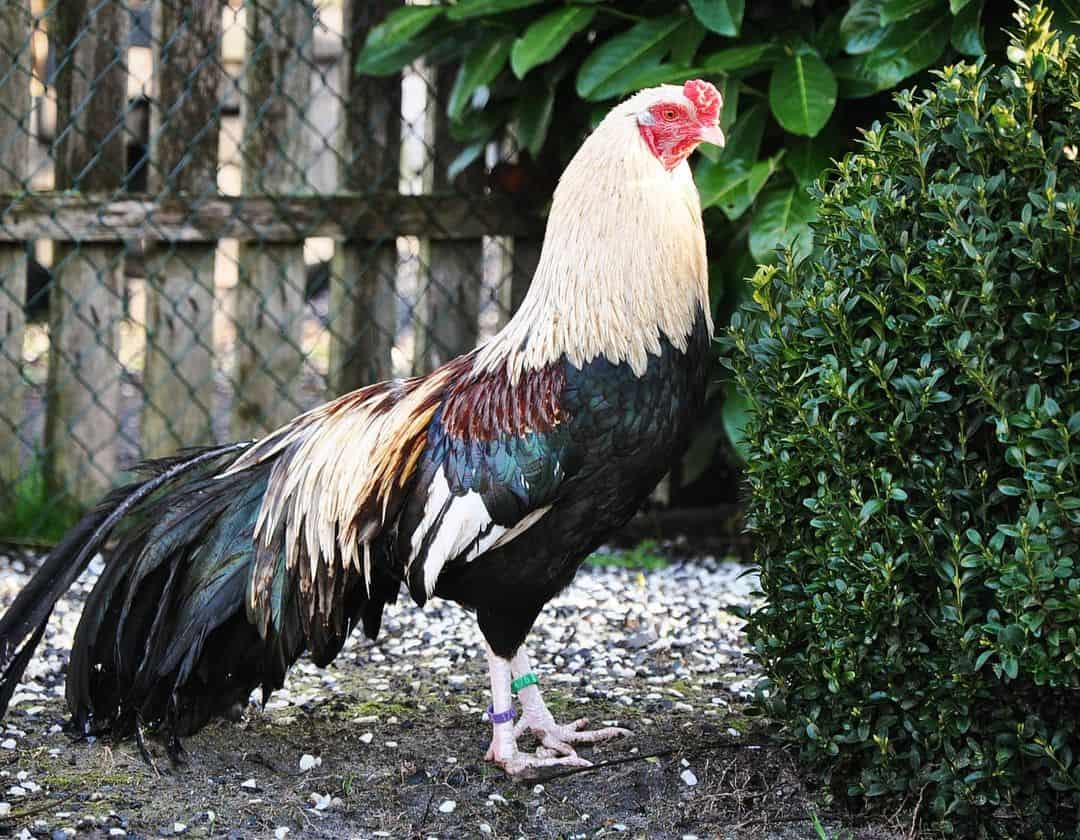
x=458, y=526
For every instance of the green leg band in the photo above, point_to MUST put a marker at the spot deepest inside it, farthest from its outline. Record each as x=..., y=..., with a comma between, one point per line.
x=522, y=681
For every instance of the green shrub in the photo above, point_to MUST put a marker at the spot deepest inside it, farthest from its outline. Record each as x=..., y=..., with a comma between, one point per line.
x=914, y=450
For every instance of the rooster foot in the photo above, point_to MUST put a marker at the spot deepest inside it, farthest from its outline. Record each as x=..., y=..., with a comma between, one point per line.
x=522, y=765
x=560, y=738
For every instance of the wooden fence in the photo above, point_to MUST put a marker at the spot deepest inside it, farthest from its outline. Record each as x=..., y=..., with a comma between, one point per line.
x=318, y=152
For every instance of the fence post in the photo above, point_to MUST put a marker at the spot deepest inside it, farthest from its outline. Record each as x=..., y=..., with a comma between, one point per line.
x=16, y=25
x=362, y=299
x=278, y=146
x=178, y=381
x=452, y=274
x=82, y=426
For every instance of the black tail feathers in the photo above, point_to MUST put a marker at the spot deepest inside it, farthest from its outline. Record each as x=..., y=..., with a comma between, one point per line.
x=23, y=625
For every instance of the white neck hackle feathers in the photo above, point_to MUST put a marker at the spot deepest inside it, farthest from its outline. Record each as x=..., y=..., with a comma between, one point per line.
x=623, y=262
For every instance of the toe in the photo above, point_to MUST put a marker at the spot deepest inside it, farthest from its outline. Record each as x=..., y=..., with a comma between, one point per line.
x=556, y=746
x=592, y=736
x=525, y=766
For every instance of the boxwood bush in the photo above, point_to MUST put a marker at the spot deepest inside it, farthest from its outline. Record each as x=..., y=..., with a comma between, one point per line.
x=914, y=447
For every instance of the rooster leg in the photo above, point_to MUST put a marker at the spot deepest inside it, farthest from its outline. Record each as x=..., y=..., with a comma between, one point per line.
x=504, y=750
x=536, y=718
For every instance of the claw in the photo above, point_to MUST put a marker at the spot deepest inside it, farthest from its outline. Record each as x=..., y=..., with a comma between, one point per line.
x=521, y=765
x=561, y=737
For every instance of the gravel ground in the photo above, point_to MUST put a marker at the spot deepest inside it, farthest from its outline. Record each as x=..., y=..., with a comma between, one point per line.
x=388, y=741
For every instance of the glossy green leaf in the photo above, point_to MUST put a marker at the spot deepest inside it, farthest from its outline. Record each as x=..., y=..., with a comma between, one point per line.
x=869, y=509
x=957, y=5
x=910, y=46
x=481, y=65
x=465, y=158
x=721, y=16
x=611, y=68
x=782, y=219
x=752, y=56
x=802, y=93
x=534, y=119
x=732, y=185
x=967, y=35
x=684, y=48
x=861, y=29
x=662, y=74
x=546, y=37
x=744, y=138
x=465, y=9
x=894, y=11
x=806, y=160
x=735, y=414
x=386, y=57
x=402, y=24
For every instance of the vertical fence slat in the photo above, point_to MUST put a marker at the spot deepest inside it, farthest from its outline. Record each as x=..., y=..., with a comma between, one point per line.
x=82, y=428
x=15, y=69
x=362, y=300
x=277, y=148
x=452, y=270
x=178, y=379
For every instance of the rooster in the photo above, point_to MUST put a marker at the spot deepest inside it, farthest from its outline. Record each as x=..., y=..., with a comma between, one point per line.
x=486, y=482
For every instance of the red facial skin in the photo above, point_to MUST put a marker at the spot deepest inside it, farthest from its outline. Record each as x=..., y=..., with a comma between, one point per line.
x=672, y=131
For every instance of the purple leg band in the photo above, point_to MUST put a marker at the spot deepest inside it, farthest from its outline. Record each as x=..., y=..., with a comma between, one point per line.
x=501, y=717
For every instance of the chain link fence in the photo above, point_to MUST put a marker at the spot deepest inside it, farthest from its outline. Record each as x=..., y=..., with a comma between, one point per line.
x=209, y=223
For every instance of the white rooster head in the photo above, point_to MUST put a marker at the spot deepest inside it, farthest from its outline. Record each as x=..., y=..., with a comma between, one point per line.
x=674, y=121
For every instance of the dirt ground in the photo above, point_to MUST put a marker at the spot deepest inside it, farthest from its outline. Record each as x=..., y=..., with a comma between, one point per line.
x=245, y=781
x=388, y=741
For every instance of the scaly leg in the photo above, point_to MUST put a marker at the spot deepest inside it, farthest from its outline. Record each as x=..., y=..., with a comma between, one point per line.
x=504, y=750
x=536, y=718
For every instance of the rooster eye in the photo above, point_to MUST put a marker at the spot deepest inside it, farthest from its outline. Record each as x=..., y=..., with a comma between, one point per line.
x=669, y=114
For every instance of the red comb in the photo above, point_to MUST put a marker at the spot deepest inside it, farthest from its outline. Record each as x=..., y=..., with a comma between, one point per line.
x=706, y=99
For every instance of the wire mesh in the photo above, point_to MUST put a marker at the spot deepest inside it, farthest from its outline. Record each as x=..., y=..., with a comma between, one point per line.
x=209, y=224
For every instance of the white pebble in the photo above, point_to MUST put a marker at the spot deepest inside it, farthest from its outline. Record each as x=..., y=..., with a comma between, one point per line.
x=280, y=832
x=179, y=828
x=448, y=806
x=688, y=777
x=391, y=744
x=8, y=744
x=321, y=801
x=485, y=828
x=249, y=784
x=5, y=809
x=538, y=789
x=309, y=762
x=367, y=737
x=494, y=797
x=117, y=832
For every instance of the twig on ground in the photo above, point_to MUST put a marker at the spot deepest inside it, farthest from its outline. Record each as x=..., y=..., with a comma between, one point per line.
x=573, y=771
x=915, y=815
x=38, y=809
x=427, y=810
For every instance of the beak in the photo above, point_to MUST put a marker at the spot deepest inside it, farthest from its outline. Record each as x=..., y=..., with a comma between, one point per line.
x=712, y=134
